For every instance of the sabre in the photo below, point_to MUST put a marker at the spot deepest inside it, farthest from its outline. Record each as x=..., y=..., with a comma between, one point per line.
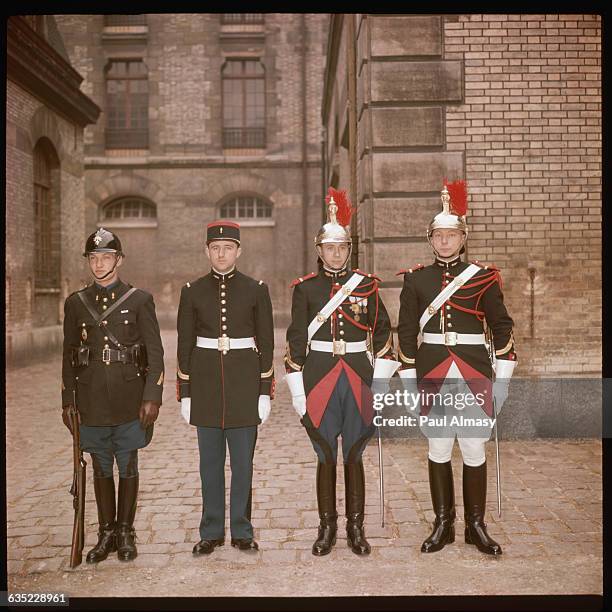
x=381, y=479
x=497, y=464
x=497, y=461
x=381, y=474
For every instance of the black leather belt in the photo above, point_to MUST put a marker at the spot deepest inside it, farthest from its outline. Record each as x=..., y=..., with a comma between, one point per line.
x=114, y=356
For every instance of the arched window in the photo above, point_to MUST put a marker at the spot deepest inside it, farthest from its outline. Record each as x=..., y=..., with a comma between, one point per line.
x=45, y=289
x=246, y=207
x=46, y=219
x=129, y=208
x=244, y=106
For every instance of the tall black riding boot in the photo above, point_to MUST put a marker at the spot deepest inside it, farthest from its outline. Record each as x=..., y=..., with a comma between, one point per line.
x=126, y=511
x=326, y=502
x=474, y=501
x=104, y=488
x=354, y=481
x=443, y=501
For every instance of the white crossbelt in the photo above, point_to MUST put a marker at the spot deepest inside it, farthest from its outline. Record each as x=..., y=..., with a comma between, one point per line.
x=453, y=338
x=348, y=347
x=225, y=343
x=333, y=303
x=447, y=292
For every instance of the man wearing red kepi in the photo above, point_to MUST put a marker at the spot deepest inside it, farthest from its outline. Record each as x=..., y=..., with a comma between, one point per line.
x=336, y=313
x=225, y=381
x=449, y=302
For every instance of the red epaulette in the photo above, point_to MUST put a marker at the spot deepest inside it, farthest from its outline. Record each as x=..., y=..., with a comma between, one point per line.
x=366, y=274
x=301, y=279
x=485, y=266
x=411, y=270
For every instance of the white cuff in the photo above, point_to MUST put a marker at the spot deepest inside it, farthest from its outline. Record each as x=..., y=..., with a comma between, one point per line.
x=295, y=382
x=408, y=373
x=504, y=368
x=186, y=409
x=385, y=368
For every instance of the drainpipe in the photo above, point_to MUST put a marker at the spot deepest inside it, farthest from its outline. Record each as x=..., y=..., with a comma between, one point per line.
x=351, y=62
x=305, y=194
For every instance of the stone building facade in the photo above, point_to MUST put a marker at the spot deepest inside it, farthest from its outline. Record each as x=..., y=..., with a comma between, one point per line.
x=512, y=104
x=46, y=114
x=204, y=116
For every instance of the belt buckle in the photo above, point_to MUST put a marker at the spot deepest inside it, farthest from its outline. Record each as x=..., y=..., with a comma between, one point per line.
x=223, y=343
x=450, y=338
x=339, y=347
x=106, y=355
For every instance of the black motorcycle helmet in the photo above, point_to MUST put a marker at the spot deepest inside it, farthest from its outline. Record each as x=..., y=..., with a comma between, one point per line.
x=103, y=241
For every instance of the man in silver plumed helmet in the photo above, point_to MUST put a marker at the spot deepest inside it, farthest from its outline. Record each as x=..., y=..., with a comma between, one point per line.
x=333, y=240
x=334, y=314
x=451, y=304
x=442, y=242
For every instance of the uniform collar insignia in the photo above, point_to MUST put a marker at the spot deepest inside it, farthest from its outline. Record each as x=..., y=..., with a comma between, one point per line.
x=223, y=277
x=338, y=274
x=448, y=264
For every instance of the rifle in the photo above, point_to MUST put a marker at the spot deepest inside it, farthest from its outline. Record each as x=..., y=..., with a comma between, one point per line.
x=77, y=489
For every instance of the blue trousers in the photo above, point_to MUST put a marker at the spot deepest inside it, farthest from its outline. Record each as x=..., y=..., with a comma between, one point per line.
x=341, y=417
x=120, y=442
x=241, y=443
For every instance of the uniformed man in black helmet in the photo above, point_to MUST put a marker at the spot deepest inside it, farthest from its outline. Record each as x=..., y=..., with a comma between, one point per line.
x=225, y=381
x=113, y=360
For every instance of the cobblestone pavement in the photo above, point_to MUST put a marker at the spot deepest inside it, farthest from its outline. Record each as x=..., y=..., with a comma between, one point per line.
x=551, y=531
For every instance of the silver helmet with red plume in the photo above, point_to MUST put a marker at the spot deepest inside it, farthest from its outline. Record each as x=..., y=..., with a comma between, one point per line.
x=454, y=208
x=339, y=213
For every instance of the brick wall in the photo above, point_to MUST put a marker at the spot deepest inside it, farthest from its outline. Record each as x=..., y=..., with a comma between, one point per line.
x=27, y=120
x=530, y=128
x=185, y=172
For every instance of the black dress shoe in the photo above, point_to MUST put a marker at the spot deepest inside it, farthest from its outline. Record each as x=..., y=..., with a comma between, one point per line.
x=241, y=544
x=205, y=547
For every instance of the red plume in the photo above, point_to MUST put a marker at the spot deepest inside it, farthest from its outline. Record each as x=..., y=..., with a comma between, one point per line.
x=457, y=190
x=345, y=209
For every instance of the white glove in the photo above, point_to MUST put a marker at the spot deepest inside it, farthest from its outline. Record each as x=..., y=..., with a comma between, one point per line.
x=295, y=382
x=409, y=382
x=503, y=373
x=186, y=408
x=384, y=369
x=264, y=408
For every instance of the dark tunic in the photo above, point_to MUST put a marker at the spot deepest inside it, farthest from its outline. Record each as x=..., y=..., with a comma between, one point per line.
x=479, y=299
x=225, y=388
x=111, y=394
x=310, y=294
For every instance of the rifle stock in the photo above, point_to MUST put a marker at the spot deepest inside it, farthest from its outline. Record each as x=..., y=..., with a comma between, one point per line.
x=77, y=490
